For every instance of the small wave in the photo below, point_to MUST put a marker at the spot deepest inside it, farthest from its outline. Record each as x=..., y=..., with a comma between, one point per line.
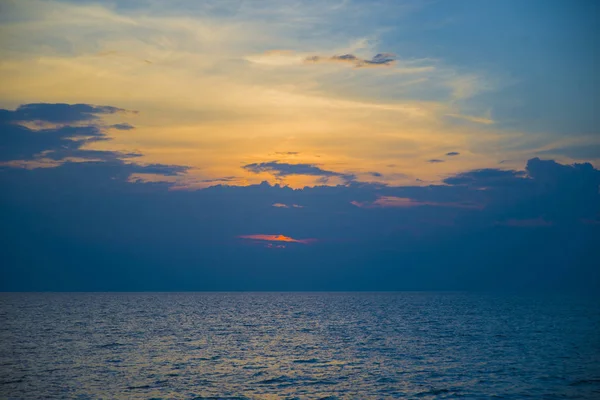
x=254, y=367
x=309, y=361
x=434, y=392
x=11, y=382
x=139, y=387
x=580, y=382
x=110, y=345
x=220, y=398
x=320, y=382
x=279, y=379
x=386, y=379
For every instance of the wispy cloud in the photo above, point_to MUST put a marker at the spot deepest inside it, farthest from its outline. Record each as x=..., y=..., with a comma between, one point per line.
x=379, y=60
x=588, y=151
x=282, y=205
x=405, y=202
x=123, y=127
x=471, y=118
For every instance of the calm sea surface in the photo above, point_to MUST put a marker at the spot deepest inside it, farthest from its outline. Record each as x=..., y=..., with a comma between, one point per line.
x=298, y=346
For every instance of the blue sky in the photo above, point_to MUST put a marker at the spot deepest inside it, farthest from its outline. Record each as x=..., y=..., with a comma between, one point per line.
x=342, y=145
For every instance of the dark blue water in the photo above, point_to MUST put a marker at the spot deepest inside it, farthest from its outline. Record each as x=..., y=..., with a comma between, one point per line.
x=298, y=346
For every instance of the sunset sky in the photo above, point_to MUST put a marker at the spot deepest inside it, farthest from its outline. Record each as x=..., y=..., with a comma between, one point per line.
x=372, y=126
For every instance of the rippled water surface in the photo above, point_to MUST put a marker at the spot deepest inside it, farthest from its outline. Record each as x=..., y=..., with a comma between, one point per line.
x=298, y=346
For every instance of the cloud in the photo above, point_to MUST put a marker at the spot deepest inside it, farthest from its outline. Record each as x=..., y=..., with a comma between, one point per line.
x=486, y=177
x=471, y=118
x=123, y=127
x=281, y=205
x=275, y=246
x=56, y=113
x=161, y=169
x=284, y=169
x=578, y=152
x=379, y=60
x=18, y=141
x=435, y=161
x=453, y=153
x=576, y=175
x=404, y=202
x=276, y=238
x=22, y=145
x=223, y=179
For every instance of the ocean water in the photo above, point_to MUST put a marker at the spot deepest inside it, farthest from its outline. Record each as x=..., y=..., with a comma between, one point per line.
x=298, y=346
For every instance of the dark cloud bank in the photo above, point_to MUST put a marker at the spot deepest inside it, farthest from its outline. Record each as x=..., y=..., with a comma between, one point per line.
x=84, y=226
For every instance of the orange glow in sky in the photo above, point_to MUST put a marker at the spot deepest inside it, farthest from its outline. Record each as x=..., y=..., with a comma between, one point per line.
x=276, y=238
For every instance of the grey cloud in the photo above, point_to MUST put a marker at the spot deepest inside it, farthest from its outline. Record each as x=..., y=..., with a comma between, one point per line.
x=21, y=143
x=434, y=161
x=56, y=113
x=223, y=179
x=453, y=153
x=381, y=59
x=570, y=179
x=18, y=142
x=285, y=169
x=486, y=177
x=160, y=169
x=123, y=127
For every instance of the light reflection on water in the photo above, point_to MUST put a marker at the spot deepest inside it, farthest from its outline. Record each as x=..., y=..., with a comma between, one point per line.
x=292, y=345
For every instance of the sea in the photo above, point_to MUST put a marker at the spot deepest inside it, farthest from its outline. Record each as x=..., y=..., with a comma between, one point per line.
x=415, y=345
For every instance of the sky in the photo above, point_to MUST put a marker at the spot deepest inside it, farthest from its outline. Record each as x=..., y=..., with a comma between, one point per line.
x=299, y=145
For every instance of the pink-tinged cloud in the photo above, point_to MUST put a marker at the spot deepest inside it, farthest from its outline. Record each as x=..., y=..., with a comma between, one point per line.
x=526, y=223
x=403, y=202
x=281, y=205
x=276, y=238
